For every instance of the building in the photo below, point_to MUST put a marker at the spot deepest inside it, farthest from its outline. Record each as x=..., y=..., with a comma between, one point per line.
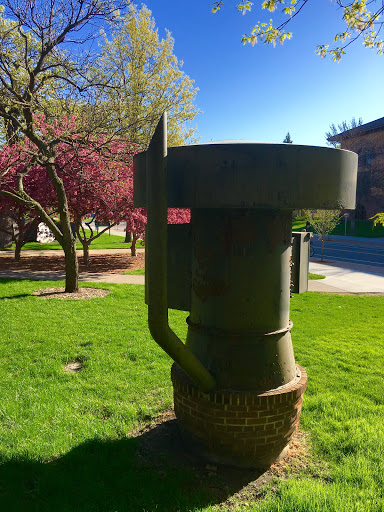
x=367, y=140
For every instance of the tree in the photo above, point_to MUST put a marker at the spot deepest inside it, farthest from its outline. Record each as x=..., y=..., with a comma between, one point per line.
x=48, y=73
x=145, y=80
x=43, y=63
x=25, y=219
x=288, y=139
x=98, y=177
x=137, y=220
x=361, y=18
x=341, y=128
x=14, y=160
x=323, y=222
x=378, y=219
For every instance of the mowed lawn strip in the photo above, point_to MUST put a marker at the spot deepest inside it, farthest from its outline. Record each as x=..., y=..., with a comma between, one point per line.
x=138, y=272
x=315, y=276
x=122, y=376
x=66, y=437
x=104, y=241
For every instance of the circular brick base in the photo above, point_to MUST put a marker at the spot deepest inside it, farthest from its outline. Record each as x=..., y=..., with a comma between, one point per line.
x=242, y=429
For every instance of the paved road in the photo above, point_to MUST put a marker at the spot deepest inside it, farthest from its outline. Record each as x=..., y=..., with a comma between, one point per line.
x=352, y=251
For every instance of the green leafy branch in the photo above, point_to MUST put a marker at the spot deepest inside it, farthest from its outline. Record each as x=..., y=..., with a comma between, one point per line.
x=361, y=22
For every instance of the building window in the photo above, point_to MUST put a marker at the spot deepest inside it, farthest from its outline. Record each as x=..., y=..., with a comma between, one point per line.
x=361, y=157
x=366, y=157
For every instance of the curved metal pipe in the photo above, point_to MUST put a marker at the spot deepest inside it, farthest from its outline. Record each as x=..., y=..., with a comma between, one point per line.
x=156, y=262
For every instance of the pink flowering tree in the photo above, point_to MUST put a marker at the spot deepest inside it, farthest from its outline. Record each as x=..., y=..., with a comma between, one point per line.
x=15, y=165
x=25, y=219
x=92, y=175
x=35, y=155
x=136, y=219
x=47, y=66
x=99, y=181
x=97, y=178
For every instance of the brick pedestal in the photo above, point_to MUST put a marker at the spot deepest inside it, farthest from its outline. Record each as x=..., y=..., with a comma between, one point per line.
x=242, y=429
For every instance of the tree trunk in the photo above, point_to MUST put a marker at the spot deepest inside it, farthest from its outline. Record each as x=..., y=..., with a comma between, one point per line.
x=19, y=245
x=68, y=240
x=71, y=267
x=322, y=248
x=19, y=240
x=85, y=252
x=128, y=237
x=133, y=246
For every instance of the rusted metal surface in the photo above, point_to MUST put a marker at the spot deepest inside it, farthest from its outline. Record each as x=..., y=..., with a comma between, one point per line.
x=241, y=198
x=157, y=264
x=232, y=273
x=239, y=319
x=255, y=175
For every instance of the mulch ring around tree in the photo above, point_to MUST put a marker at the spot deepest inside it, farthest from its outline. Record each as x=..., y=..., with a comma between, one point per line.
x=104, y=263
x=60, y=293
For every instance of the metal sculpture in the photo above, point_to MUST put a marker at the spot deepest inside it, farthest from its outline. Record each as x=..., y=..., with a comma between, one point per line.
x=237, y=388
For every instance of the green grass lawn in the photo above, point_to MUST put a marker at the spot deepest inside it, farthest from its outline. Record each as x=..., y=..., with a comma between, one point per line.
x=137, y=272
x=299, y=224
x=315, y=276
x=65, y=438
x=141, y=272
x=105, y=241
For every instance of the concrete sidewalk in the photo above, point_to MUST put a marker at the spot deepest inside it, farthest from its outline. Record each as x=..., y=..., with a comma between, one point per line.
x=345, y=280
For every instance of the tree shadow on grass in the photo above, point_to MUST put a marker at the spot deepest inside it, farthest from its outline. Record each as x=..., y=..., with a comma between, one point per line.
x=6, y=280
x=144, y=473
x=15, y=296
x=20, y=296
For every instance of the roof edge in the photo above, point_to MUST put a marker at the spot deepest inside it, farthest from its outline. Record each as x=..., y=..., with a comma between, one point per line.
x=363, y=129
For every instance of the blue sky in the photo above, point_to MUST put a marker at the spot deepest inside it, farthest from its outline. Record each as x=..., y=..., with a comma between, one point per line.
x=261, y=93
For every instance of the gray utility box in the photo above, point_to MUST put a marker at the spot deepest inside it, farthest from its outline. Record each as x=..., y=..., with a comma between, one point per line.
x=300, y=261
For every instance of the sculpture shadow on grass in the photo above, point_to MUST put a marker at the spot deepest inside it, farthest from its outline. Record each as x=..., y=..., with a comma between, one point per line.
x=144, y=473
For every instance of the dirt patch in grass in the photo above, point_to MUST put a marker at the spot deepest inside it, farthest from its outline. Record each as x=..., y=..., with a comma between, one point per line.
x=228, y=486
x=74, y=366
x=111, y=263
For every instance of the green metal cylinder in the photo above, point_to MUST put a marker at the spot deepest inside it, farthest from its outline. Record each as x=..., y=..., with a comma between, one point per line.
x=239, y=324
x=237, y=390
